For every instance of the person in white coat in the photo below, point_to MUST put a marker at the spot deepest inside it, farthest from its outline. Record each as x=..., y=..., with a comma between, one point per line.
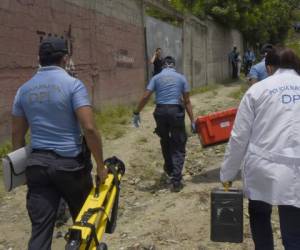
x=266, y=140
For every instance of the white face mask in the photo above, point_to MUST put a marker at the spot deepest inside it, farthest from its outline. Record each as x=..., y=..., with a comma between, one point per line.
x=171, y=65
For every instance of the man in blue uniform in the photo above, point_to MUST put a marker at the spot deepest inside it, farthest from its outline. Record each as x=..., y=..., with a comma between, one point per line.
x=233, y=59
x=170, y=88
x=249, y=59
x=54, y=105
x=258, y=71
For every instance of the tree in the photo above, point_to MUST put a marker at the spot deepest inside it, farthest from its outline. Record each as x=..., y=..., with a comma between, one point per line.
x=259, y=21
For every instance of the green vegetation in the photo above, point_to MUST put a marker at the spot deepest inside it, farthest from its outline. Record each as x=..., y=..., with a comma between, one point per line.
x=5, y=148
x=158, y=14
x=112, y=121
x=238, y=94
x=295, y=46
x=142, y=140
x=293, y=41
x=204, y=89
x=260, y=21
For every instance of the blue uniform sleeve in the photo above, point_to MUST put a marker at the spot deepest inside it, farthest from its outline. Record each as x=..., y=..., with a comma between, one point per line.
x=253, y=74
x=151, y=85
x=17, y=106
x=80, y=96
x=186, y=86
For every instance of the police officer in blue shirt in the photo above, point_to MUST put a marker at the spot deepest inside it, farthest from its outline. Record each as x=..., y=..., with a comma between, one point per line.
x=249, y=59
x=170, y=88
x=55, y=107
x=258, y=71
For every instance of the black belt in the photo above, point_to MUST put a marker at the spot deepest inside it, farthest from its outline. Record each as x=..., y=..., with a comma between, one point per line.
x=52, y=152
x=168, y=105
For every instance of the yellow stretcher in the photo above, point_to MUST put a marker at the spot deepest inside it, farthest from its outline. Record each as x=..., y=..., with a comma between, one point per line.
x=99, y=212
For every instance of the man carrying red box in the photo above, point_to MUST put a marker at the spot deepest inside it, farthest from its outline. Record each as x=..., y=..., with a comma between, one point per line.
x=170, y=88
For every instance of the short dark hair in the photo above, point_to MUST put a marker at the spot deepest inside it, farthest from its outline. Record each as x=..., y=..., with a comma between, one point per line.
x=272, y=58
x=266, y=48
x=289, y=60
x=168, y=61
x=52, y=50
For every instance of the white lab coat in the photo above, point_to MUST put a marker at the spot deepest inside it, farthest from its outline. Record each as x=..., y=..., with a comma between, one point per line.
x=266, y=140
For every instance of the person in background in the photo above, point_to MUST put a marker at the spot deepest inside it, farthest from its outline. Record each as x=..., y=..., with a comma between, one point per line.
x=157, y=61
x=266, y=139
x=249, y=59
x=233, y=60
x=55, y=107
x=239, y=64
x=170, y=88
x=258, y=71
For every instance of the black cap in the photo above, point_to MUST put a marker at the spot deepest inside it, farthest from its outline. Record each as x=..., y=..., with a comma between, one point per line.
x=52, y=45
x=266, y=48
x=168, y=61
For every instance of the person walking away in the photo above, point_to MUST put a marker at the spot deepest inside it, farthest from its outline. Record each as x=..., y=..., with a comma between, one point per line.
x=258, y=71
x=157, y=62
x=233, y=59
x=170, y=88
x=249, y=59
x=266, y=138
x=54, y=106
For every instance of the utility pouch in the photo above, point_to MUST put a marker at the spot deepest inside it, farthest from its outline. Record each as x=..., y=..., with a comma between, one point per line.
x=14, y=165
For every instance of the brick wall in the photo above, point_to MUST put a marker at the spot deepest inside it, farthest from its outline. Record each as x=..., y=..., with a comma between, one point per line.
x=107, y=40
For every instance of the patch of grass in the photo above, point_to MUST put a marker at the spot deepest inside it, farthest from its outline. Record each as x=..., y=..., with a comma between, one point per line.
x=293, y=39
x=295, y=46
x=112, y=121
x=238, y=94
x=5, y=148
x=142, y=140
x=205, y=88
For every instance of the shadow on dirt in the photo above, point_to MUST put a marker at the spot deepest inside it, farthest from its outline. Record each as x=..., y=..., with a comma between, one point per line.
x=211, y=176
x=155, y=185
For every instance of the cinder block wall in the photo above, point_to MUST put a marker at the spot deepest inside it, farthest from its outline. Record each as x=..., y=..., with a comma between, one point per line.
x=107, y=40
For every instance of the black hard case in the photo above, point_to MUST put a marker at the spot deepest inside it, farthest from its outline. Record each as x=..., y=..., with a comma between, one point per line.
x=227, y=215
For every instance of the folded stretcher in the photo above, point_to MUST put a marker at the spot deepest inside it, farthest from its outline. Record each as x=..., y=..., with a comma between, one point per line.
x=99, y=212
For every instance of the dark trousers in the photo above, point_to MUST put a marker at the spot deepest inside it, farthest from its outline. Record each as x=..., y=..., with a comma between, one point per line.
x=248, y=65
x=170, y=127
x=234, y=70
x=46, y=187
x=260, y=223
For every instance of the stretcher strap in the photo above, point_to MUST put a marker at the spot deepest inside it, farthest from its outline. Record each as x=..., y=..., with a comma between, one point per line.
x=84, y=223
x=111, y=224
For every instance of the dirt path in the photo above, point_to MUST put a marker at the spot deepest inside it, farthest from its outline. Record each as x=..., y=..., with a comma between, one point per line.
x=150, y=216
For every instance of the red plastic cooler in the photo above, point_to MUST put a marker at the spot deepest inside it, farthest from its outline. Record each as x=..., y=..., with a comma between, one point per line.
x=215, y=127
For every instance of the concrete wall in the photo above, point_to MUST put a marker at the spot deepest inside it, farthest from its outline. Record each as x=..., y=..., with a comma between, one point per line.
x=206, y=48
x=195, y=51
x=165, y=36
x=107, y=38
x=221, y=41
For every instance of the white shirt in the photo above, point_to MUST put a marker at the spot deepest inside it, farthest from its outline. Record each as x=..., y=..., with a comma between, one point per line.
x=266, y=138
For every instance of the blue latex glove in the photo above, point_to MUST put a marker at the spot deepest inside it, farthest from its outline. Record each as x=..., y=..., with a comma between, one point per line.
x=136, y=120
x=193, y=128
